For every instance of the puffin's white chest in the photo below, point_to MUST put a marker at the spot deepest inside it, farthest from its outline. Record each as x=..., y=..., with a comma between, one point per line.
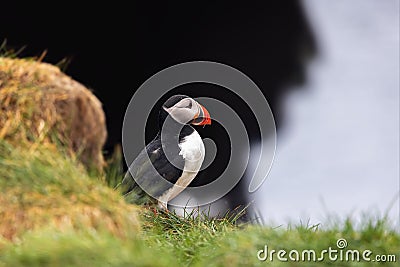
x=193, y=151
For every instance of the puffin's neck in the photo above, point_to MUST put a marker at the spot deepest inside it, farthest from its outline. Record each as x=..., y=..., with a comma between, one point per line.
x=175, y=129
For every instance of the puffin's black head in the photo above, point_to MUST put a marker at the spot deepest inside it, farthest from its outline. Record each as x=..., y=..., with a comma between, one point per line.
x=184, y=110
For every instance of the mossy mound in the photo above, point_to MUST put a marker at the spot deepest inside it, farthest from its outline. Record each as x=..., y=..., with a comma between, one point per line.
x=41, y=188
x=40, y=104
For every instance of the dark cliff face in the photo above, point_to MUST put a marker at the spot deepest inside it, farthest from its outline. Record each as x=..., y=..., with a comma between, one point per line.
x=114, y=49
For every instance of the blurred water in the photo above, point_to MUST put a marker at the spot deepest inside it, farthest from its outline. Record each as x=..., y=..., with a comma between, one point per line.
x=338, y=152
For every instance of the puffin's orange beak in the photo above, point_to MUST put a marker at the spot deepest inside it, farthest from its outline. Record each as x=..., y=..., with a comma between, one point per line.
x=203, y=118
x=206, y=117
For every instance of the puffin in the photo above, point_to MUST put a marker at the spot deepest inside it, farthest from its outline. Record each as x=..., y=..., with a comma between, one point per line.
x=170, y=162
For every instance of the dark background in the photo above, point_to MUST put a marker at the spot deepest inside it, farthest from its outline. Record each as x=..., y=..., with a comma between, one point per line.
x=114, y=48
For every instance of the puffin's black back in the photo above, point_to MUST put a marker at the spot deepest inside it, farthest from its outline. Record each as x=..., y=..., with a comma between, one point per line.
x=150, y=164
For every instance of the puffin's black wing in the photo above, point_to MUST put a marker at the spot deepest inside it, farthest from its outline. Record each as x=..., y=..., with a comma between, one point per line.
x=146, y=170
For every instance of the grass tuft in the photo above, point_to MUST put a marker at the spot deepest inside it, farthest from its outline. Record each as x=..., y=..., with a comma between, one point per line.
x=6, y=51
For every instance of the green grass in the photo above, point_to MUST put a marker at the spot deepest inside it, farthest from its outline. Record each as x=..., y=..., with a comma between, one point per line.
x=202, y=241
x=169, y=240
x=49, y=184
x=6, y=51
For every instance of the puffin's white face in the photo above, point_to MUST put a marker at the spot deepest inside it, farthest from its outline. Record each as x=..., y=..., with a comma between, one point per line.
x=188, y=110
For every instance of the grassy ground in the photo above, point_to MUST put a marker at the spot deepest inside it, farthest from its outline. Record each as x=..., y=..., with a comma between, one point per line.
x=61, y=216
